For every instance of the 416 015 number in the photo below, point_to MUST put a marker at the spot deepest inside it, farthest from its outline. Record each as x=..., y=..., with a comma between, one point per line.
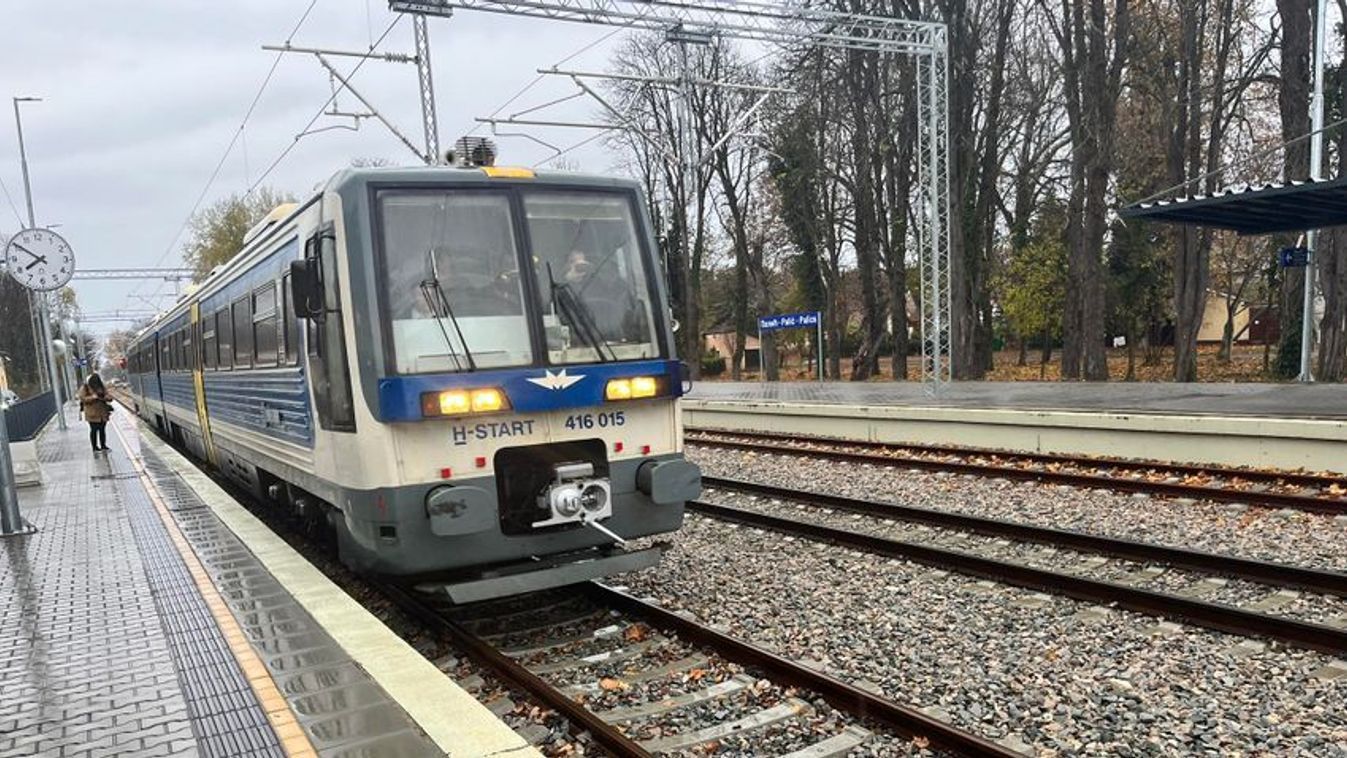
x=596, y=420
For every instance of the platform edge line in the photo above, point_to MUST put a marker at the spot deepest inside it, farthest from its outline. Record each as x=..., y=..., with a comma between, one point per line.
x=396, y=666
x=294, y=741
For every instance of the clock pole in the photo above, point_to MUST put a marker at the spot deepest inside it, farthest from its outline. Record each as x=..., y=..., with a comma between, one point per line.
x=40, y=297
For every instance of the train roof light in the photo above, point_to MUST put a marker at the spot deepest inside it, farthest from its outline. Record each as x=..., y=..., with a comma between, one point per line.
x=508, y=172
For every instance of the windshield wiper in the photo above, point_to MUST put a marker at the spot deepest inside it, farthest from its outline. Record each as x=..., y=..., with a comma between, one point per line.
x=578, y=316
x=438, y=302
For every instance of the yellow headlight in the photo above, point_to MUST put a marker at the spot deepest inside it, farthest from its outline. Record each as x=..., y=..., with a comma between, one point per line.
x=462, y=402
x=632, y=388
x=644, y=386
x=454, y=402
x=618, y=389
x=487, y=400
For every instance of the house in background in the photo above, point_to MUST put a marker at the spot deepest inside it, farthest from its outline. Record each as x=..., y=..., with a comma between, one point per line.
x=1213, y=320
x=722, y=339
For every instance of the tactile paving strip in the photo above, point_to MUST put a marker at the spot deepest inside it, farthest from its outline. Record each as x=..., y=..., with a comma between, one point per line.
x=344, y=712
x=85, y=665
x=226, y=715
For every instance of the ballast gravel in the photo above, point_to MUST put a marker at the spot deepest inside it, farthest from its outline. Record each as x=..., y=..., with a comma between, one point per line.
x=1297, y=537
x=1059, y=676
x=1264, y=598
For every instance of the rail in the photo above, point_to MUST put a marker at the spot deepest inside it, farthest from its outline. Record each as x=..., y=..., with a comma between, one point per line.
x=1220, y=617
x=1280, y=574
x=901, y=719
x=1069, y=470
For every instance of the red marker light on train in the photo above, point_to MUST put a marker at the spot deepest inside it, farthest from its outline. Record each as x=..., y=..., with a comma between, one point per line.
x=617, y=447
x=481, y=461
x=446, y=473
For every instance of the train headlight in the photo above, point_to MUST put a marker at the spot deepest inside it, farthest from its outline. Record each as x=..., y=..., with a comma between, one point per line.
x=487, y=400
x=461, y=402
x=644, y=386
x=631, y=388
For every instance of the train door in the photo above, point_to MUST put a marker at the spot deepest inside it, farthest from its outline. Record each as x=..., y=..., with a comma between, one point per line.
x=157, y=384
x=326, y=337
x=199, y=383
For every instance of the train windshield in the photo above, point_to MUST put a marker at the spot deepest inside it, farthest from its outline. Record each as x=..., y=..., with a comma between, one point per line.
x=456, y=300
x=595, y=290
x=453, y=289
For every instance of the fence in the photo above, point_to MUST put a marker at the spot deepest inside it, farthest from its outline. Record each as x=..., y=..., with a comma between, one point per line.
x=26, y=418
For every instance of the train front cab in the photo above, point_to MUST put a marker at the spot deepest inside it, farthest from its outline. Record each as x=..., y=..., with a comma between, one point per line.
x=527, y=419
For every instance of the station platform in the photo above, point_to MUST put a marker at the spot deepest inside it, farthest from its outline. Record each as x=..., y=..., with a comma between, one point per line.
x=1289, y=426
x=1309, y=401
x=151, y=615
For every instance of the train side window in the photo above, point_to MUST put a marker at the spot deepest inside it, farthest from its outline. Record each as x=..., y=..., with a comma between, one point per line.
x=329, y=372
x=264, y=325
x=289, y=324
x=208, y=353
x=224, y=330
x=188, y=357
x=243, y=334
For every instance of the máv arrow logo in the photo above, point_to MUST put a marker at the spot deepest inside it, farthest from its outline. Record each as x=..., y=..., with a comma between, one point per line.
x=557, y=381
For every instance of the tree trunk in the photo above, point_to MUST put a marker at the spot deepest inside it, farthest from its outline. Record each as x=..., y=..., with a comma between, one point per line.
x=1331, y=260
x=1293, y=100
x=863, y=89
x=1093, y=78
x=1045, y=353
x=899, y=187
x=1332, y=269
x=1227, y=334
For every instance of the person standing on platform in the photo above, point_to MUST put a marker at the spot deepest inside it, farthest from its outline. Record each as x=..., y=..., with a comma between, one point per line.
x=96, y=407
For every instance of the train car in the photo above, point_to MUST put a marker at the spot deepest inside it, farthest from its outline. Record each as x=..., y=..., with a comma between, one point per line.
x=467, y=373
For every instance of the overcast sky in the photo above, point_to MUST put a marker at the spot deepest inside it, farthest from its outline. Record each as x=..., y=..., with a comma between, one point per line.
x=141, y=100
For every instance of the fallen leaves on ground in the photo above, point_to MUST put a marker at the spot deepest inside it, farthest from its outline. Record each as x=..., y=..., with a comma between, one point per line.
x=611, y=684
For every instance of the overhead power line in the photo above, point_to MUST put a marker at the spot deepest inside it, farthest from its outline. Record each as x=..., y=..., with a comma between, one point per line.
x=12, y=206
x=233, y=141
x=321, y=109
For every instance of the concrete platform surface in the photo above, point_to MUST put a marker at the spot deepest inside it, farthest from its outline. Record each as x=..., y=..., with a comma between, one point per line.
x=1327, y=401
x=137, y=622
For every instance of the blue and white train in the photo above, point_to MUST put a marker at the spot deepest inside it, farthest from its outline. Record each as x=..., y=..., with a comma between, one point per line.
x=469, y=373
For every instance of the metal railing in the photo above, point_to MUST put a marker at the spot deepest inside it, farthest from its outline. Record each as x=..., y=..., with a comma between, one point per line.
x=27, y=417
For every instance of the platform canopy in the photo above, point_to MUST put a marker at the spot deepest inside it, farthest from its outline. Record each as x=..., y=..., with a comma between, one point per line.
x=1288, y=207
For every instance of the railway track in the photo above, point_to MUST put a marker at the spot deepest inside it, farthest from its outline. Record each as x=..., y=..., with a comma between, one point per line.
x=1318, y=493
x=932, y=548
x=586, y=652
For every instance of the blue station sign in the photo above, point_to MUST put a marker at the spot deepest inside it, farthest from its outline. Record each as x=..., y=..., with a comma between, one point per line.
x=1293, y=257
x=788, y=321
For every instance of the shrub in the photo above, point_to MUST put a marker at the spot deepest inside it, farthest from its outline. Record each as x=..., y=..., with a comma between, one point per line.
x=713, y=363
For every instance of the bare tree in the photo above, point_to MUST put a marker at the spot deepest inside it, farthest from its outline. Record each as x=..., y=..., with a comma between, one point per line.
x=1293, y=99
x=1093, y=39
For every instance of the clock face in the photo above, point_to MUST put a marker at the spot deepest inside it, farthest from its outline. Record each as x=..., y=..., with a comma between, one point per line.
x=40, y=259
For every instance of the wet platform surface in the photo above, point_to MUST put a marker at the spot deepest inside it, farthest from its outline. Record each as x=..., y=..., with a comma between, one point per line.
x=1324, y=401
x=134, y=623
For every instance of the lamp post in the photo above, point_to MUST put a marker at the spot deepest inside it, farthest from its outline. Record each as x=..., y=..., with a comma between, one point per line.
x=41, y=297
